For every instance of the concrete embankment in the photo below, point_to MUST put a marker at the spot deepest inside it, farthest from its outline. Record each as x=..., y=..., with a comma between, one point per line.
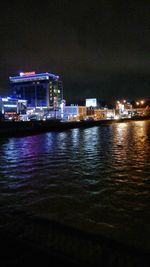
x=26, y=238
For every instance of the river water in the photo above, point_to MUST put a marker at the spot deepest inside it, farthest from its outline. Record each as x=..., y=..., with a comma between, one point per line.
x=96, y=179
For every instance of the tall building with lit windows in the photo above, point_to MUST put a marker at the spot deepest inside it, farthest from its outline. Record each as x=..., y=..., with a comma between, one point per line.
x=43, y=90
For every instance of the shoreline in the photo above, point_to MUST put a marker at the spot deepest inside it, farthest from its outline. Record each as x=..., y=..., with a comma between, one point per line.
x=25, y=128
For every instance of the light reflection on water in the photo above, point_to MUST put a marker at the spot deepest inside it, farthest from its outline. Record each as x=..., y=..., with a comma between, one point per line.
x=97, y=178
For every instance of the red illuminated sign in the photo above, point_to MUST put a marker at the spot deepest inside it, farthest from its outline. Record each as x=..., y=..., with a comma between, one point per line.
x=10, y=113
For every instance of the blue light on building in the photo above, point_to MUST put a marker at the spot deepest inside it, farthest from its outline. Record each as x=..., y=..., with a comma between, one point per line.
x=41, y=90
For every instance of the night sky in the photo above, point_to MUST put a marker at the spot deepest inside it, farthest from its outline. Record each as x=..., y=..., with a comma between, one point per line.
x=100, y=48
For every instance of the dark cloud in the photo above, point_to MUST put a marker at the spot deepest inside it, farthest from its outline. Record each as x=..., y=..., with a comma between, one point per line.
x=101, y=47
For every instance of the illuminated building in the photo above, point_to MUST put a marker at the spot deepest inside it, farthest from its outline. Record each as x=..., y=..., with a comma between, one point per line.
x=124, y=109
x=42, y=90
x=74, y=112
x=11, y=106
x=104, y=114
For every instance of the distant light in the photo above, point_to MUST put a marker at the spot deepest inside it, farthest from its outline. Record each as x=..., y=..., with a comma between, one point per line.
x=27, y=73
x=21, y=101
x=91, y=102
x=116, y=117
x=10, y=106
x=41, y=107
x=137, y=103
x=4, y=99
x=142, y=102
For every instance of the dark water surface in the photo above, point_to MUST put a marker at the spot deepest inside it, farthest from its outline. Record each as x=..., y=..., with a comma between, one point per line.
x=96, y=179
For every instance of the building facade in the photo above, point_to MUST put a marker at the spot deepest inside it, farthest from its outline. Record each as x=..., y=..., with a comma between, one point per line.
x=74, y=112
x=43, y=90
x=11, y=106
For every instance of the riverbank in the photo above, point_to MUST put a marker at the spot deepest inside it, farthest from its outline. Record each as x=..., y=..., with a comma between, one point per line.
x=21, y=128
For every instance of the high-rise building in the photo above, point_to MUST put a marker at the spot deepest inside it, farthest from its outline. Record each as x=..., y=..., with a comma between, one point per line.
x=43, y=90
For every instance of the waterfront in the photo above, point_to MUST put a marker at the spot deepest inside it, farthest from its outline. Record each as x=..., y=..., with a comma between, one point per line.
x=95, y=179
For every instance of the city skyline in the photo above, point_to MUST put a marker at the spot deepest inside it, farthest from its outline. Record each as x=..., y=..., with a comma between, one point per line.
x=100, y=50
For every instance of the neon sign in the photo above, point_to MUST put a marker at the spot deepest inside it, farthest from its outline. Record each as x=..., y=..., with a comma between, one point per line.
x=27, y=73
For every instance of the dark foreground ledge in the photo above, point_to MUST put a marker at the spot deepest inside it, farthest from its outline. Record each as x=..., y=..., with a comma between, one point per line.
x=27, y=239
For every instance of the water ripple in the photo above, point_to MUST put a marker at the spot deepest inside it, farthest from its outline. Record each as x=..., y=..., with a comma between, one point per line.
x=97, y=177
